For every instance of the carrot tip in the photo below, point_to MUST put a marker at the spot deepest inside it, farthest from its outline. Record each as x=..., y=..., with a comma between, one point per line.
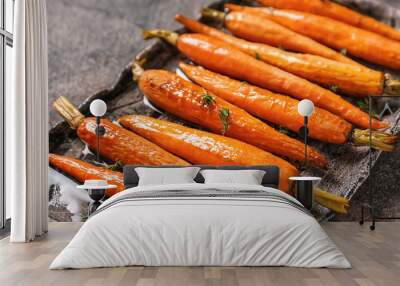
x=179, y=18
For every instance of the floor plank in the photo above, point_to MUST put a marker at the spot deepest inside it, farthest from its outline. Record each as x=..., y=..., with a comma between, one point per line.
x=375, y=257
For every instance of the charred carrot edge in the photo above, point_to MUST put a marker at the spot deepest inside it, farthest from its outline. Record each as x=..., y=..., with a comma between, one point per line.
x=350, y=79
x=337, y=12
x=207, y=51
x=282, y=110
x=201, y=147
x=259, y=29
x=81, y=171
x=117, y=144
x=184, y=99
x=357, y=42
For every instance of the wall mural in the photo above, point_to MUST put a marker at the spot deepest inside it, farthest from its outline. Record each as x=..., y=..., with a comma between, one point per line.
x=165, y=109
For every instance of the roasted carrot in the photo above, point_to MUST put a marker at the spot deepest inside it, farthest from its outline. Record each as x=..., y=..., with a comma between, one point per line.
x=117, y=144
x=335, y=11
x=347, y=78
x=357, y=42
x=81, y=171
x=333, y=202
x=259, y=29
x=220, y=57
x=189, y=101
x=282, y=110
x=201, y=147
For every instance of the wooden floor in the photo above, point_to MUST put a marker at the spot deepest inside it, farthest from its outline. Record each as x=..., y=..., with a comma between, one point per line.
x=375, y=257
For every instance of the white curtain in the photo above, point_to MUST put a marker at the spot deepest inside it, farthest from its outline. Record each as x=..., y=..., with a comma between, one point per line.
x=26, y=124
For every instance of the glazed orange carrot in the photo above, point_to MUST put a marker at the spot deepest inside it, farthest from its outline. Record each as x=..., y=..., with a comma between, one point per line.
x=357, y=42
x=347, y=78
x=81, y=171
x=117, y=144
x=282, y=110
x=189, y=101
x=217, y=56
x=335, y=11
x=201, y=147
x=259, y=29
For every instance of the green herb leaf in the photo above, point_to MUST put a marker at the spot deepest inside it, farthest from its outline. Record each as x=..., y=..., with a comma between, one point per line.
x=334, y=88
x=343, y=52
x=363, y=104
x=224, y=117
x=207, y=99
x=258, y=57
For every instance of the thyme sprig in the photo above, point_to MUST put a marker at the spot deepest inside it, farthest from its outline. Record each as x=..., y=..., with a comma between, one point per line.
x=224, y=117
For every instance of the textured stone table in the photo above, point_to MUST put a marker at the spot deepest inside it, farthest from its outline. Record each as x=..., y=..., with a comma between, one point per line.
x=91, y=41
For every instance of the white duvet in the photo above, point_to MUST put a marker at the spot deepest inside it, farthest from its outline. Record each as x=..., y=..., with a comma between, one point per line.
x=200, y=231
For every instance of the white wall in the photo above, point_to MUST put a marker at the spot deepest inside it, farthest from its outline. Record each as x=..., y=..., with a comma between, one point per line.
x=8, y=85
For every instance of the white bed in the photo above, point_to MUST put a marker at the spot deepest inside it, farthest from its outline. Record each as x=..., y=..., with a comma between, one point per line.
x=224, y=225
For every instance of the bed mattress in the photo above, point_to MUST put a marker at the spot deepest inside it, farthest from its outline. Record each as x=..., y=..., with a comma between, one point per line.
x=201, y=225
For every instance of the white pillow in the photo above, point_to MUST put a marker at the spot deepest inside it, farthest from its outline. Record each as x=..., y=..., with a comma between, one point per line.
x=166, y=176
x=247, y=177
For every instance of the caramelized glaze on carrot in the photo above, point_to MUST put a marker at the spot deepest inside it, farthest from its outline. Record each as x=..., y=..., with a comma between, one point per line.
x=201, y=147
x=276, y=108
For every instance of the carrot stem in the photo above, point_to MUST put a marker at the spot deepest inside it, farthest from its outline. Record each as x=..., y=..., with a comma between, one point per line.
x=166, y=35
x=137, y=71
x=379, y=140
x=392, y=86
x=213, y=14
x=333, y=202
x=69, y=112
